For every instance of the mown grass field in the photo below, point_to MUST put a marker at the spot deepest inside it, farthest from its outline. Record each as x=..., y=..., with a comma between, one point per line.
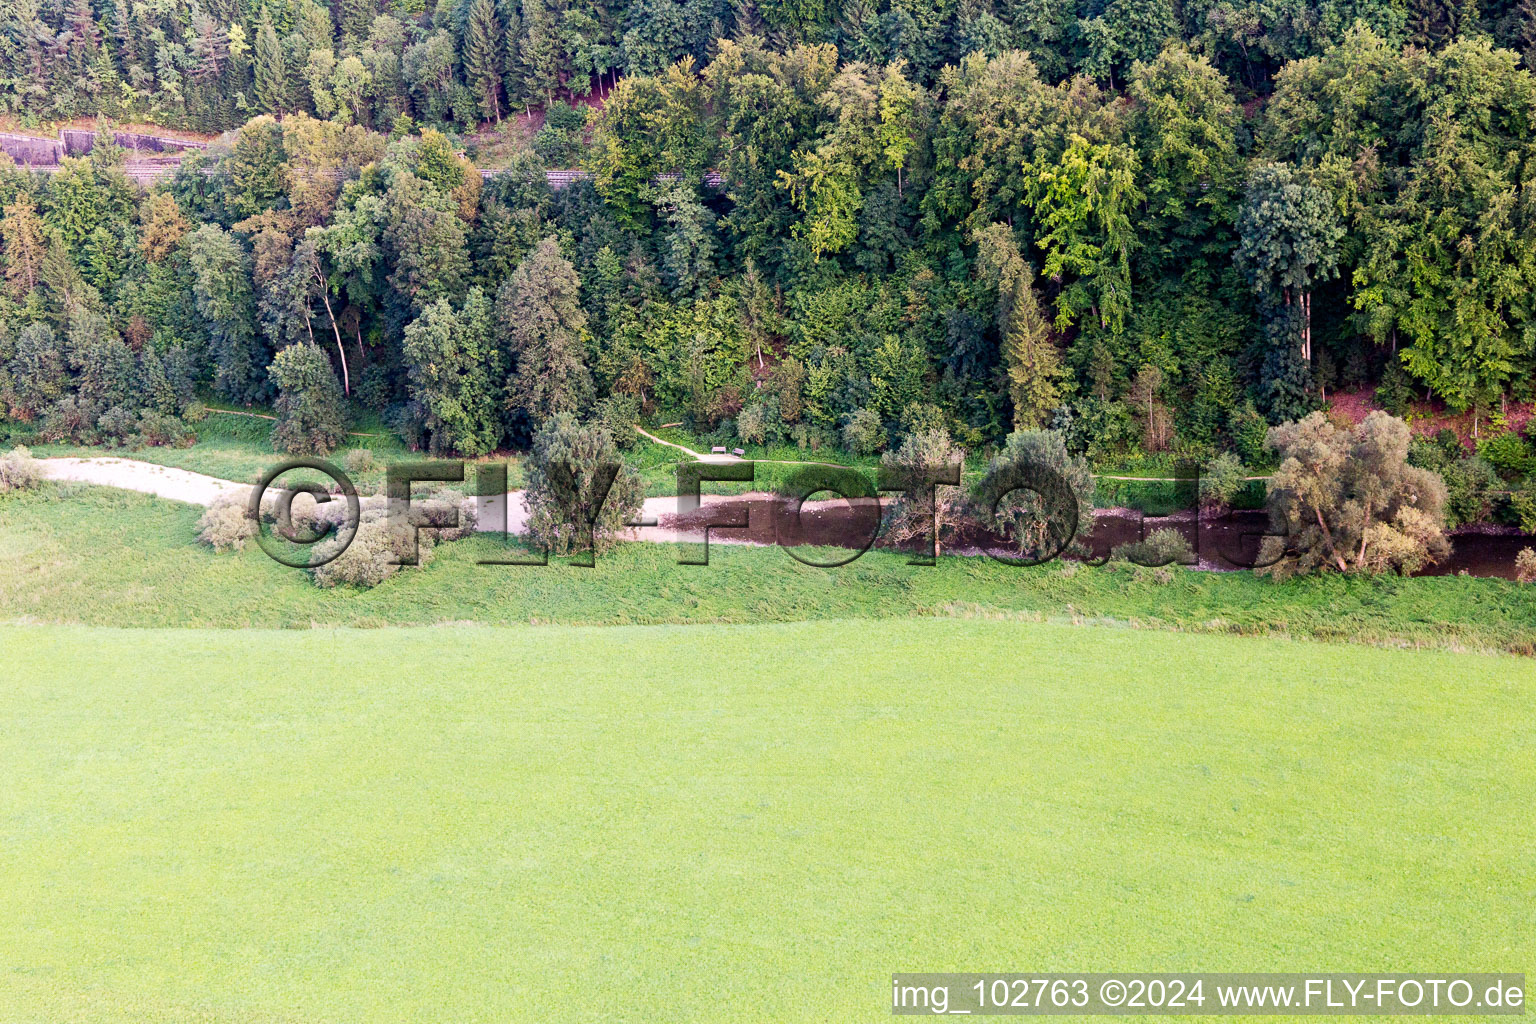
x=71, y=553
x=720, y=823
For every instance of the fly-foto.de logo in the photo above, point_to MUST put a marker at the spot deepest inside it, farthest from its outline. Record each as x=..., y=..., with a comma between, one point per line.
x=1024, y=513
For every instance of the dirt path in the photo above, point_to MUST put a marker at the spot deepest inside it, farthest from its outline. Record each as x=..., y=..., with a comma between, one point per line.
x=712, y=457
x=145, y=477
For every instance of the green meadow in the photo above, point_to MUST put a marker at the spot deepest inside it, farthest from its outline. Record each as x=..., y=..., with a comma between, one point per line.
x=722, y=823
x=743, y=792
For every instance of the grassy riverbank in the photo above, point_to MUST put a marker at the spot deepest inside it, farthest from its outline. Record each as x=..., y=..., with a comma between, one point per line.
x=77, y=554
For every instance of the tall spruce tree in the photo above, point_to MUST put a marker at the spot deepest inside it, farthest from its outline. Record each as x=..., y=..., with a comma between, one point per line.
x=480, y=49
x=1030, y=358
x=540, y=323
x=271, y=69
x=540, y=51
x=1289, y=233
x=21, y=233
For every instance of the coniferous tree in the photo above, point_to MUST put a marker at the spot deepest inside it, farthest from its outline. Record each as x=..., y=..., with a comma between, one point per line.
x=311, y=419
x=481, y=54
x=540, y=53
x=222, y=287
x=354, y=20
x=541, y=325
x=1288, y=234
x=21, y=233
x=39, y=372
x=161, y=227
x=271, y=69
x=1030, y=358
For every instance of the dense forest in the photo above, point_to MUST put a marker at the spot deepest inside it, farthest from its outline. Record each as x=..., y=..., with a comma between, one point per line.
x=211, y=66
x=1152, y=228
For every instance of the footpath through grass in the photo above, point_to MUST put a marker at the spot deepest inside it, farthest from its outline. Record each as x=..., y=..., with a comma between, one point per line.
x=723, y=823
x=76, y=554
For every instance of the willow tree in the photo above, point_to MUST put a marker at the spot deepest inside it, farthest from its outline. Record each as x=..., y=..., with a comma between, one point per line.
x=1348, y=501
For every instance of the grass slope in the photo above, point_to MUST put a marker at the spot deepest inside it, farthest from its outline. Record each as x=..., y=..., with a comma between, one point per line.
x=77, y=554
x=734, y=822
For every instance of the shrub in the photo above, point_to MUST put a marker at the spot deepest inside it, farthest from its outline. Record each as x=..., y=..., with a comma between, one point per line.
x=19, y=471
x=561, y=116
x=786, y=383
x=1161, y=547
x=1522, y=505
x=808, y=437
x=752, y=424
x=1525, y=566
x=195, y=412
x=71, y=418
x=1395, y=392
x=370, y=559
x=116, y=425
x=1508, y=453
x=1469, y=480
x=910, y=516
x=158, y=430
x=374, y=389
x=1101, y=430
x=409, y=422
x=438, y=506
x=358, y=461
x=863, y=433
x=922, y=418
x=1250, y=432
x=618, y=414
x=761, y=422
x=1037, y=528
x=227, y=524
x=558, y=142
x=1221, y=481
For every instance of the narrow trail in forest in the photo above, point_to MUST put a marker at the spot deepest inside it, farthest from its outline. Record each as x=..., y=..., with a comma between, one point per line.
x=718, y=457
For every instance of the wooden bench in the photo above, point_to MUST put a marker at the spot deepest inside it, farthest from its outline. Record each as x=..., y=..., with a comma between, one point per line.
x=717, y=450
